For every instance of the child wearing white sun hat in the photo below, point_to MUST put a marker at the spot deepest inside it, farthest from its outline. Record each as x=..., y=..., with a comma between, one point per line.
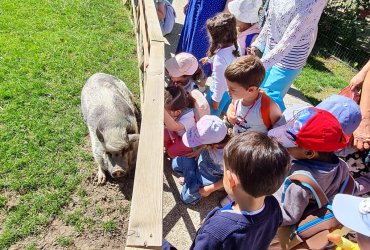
x=246, y=14
x=354, y=213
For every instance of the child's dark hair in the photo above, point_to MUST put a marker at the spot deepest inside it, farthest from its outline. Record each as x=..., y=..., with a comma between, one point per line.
x=198, y=75
x=247, y=71
x=260, y=162
x=222, y=30
x=176, y=98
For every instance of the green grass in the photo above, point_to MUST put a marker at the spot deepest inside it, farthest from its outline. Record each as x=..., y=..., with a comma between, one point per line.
x=47, y=51
x=64, y=241
x=109, y=226
x=322, y=77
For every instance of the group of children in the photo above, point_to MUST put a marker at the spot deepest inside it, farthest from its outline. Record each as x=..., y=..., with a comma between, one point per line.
x=265, y=146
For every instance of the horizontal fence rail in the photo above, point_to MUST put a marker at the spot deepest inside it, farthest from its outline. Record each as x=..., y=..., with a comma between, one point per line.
x=145, y=225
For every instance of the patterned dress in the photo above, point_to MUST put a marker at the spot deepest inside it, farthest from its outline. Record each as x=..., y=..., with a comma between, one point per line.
x=194, y=39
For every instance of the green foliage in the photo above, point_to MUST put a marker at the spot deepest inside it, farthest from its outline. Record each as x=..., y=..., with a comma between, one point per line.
x=47, y=51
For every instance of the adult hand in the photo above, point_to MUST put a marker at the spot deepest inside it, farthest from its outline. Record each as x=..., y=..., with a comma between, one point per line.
x=361, y=136
x=215, y=105
x=357, y=81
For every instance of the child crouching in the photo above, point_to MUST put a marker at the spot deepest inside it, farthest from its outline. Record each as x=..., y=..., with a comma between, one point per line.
x=204, y=175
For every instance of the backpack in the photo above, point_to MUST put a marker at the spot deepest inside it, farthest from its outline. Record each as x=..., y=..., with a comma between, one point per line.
x=310, y=232
x=265, y=109
x=169, y=20
x=248, y=39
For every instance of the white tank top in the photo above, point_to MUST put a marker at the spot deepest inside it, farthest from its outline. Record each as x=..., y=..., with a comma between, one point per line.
x=253, y=121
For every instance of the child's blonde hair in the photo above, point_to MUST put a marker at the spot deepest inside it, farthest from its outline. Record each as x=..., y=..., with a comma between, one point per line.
x=222, y=30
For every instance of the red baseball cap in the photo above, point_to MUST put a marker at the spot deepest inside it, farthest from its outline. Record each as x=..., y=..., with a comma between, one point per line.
x=313, y=129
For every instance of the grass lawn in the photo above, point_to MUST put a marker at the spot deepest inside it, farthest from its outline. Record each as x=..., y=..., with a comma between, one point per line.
x=47, y=51
x=322, y=77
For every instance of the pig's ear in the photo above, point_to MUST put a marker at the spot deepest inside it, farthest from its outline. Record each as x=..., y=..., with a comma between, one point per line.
x=133, y=140
x=99, y=135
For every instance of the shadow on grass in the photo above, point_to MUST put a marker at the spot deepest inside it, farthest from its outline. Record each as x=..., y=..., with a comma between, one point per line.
x=317, y=65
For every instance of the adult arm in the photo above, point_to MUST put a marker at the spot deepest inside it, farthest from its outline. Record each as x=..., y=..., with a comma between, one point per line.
x=305, y=21
x=260, y=42
x=362, y=133
x=161, y=10
x=358, y=79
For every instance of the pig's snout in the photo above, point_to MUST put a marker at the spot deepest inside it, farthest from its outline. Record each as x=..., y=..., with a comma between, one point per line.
x=118, y=172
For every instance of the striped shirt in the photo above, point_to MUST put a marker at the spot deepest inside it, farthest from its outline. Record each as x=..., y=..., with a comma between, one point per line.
x=289, y=32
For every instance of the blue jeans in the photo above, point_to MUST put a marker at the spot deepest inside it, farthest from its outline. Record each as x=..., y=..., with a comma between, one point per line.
x=223, y=105
x=277, y=83
x=197, y=174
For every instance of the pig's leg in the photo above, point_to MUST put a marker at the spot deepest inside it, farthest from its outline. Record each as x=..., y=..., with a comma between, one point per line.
x=98, y=154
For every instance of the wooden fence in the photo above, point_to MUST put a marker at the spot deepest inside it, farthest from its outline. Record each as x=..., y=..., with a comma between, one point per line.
x=145, y=225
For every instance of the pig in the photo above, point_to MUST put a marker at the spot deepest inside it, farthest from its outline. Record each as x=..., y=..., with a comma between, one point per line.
x=112, y=119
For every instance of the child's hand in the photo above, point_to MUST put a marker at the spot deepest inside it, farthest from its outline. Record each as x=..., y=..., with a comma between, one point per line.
x=204, y=60
x=231, y=115
x=254, y=51
x=195, y=154
x=206, y=191
x=215, y=105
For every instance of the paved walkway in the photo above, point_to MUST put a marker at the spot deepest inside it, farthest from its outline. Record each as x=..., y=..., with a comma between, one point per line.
x=180, y=222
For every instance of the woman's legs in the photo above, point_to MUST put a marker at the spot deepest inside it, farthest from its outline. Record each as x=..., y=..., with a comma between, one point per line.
x=277, y=83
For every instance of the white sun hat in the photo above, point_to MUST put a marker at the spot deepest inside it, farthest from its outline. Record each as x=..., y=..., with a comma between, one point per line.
x=245, y=11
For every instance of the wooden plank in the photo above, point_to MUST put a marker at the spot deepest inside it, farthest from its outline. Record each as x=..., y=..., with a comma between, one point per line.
x=154, y=28
x=145, y=225
x=139, y=51
x=143, y=32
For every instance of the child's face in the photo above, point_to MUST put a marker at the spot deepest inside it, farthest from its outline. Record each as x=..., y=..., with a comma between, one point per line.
x=180, y=80
x=237, y=92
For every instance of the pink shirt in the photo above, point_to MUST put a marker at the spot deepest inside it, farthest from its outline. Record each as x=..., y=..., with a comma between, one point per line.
x=242, y=36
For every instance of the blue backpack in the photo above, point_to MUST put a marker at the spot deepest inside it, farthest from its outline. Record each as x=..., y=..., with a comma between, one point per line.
x=313, y=227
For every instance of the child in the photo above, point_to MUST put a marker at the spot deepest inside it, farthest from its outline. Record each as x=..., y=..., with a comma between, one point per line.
x=354, y=213
x=202, y=176
x=184, y=70
x=223, y=50
x=251, y=110
x=166, y=15
x=311, y=138
x=246, y=14
x=178, y=118
x=255, y=167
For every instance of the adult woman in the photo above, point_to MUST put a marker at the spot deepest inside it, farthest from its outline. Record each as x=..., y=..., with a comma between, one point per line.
x=193, y=37
x=286, y=41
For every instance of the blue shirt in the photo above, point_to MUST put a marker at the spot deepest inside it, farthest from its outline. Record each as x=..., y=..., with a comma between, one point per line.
x=224, y=230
